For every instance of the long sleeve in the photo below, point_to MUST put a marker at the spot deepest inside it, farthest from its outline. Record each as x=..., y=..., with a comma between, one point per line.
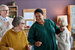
x=57, y=29
x=66, y=40
x=68, y=35
x=58, y=38
x=61, y=37
x=2, y=29
x=26, y=39
x=3, y=43
x=64, y=37
x=10, y=22
x=31, y=36
x=3, y=26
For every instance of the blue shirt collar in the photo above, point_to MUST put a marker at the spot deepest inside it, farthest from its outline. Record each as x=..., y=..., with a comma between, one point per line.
x=4, y=18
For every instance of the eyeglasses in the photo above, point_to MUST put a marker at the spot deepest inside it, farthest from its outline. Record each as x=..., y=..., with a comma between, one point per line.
x=5, y=10
x=38, y=16
x=22, y=23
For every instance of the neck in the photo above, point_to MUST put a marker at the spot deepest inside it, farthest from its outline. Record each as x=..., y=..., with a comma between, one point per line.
x=16, y=29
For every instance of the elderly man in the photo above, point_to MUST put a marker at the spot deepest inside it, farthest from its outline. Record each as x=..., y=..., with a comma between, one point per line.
x=5, y=21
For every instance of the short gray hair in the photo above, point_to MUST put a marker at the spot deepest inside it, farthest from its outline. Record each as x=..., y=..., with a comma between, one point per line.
x=64, y=21
x=17, y=20
x=3, y=5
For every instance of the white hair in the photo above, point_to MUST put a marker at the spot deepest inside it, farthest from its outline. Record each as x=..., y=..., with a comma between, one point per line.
x=64, y=21
x=3, y=5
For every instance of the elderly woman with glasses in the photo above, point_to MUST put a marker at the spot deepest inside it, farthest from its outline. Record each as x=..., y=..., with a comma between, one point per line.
x=15, y=38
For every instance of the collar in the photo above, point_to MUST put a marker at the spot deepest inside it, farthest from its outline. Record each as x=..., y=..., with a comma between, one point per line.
x=4, y=19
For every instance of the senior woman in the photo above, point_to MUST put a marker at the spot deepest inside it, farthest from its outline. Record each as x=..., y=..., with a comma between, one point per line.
x=15, y=38
x=42, y=33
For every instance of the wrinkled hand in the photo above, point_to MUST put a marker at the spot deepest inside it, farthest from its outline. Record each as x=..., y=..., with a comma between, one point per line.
x=38, y=43
x=11, y=49
x=7, y=24
x=29, y=47
x=62, y=29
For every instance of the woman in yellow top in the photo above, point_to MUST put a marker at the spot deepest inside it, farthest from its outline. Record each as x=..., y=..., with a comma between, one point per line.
x=15, y=38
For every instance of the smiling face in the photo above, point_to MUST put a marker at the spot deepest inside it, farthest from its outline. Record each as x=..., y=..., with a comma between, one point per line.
x=4, y=11
x=39, y=17
x=22, y=25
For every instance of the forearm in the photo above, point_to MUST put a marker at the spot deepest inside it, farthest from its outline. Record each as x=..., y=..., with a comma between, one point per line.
x=3, y=43
x=58, y=38
x=2, y=32
x=31, y=41
x=57, y=29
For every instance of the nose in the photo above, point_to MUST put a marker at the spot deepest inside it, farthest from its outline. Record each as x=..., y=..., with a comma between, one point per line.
x=7, y=11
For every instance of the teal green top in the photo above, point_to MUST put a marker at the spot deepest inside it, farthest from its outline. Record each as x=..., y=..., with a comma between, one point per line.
x=45, y=34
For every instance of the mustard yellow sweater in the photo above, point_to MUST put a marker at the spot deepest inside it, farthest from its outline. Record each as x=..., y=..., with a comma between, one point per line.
x=15, y=40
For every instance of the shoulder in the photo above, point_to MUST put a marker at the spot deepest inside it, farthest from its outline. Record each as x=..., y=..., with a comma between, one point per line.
x=49, y=20
x=10, y=19
x=10, y=30
x=24, y=33
x=7, y=33
x=2, y=23
x=34, y=24
x=33, y=27
x=66, y=30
